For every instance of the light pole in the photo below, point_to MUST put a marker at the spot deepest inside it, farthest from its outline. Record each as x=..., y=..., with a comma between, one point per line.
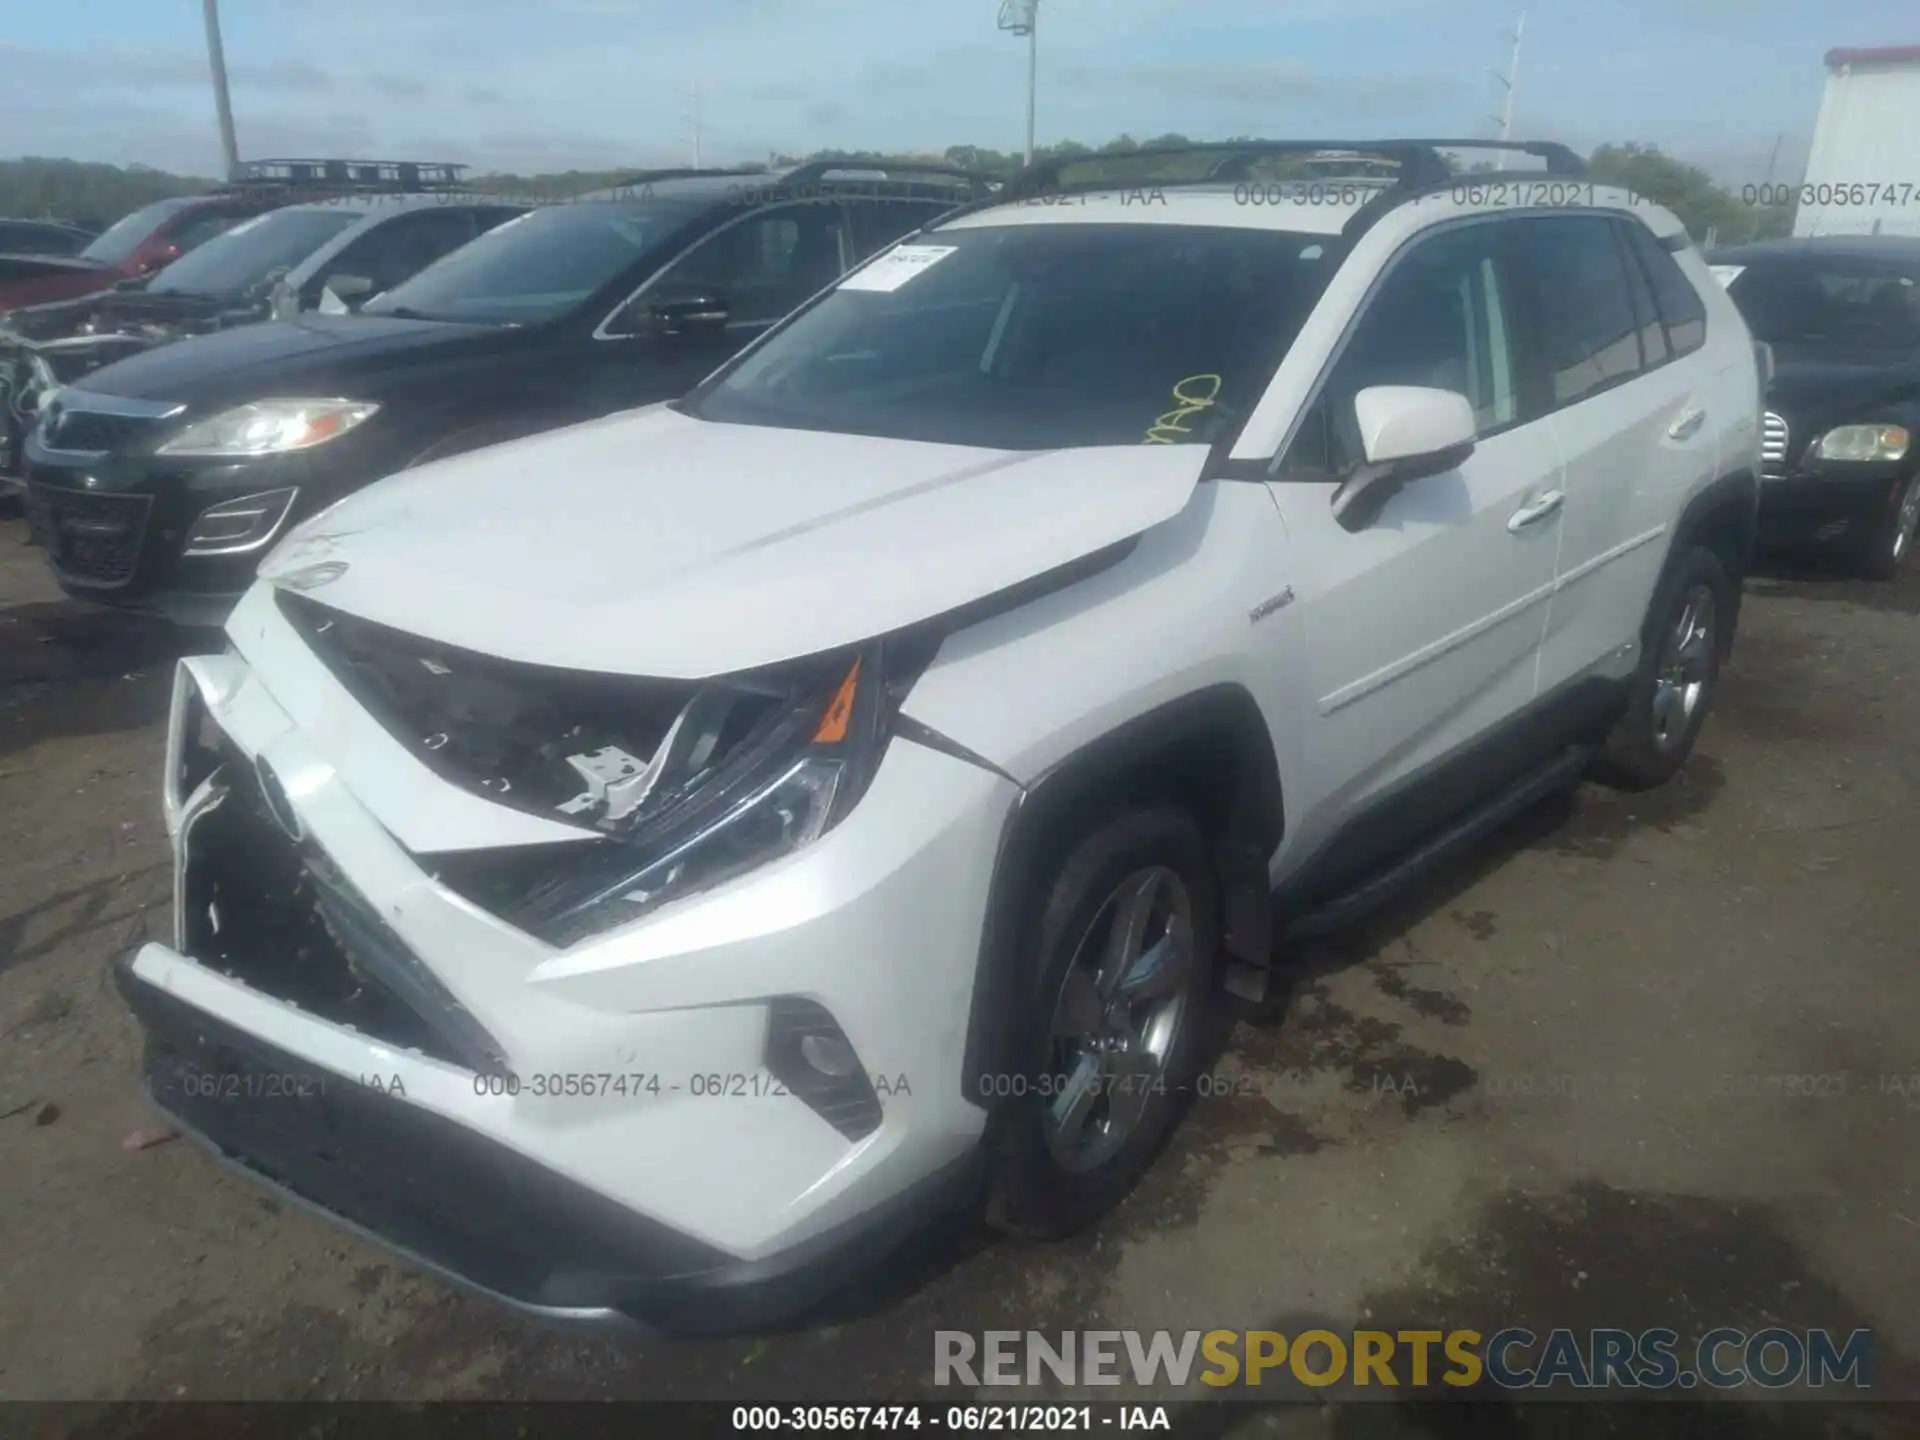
x=1509, y=81
x=217, y=59
x=1021, y=17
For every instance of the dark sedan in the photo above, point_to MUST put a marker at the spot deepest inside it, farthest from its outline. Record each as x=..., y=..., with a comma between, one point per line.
x=1839, y=459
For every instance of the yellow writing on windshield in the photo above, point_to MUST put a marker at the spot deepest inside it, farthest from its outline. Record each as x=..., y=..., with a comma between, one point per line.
x=1195, y=393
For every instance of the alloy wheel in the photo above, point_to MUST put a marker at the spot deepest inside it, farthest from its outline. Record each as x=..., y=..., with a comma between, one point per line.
x=1686, y=666
x=1908, y=525
x=1118, y=1018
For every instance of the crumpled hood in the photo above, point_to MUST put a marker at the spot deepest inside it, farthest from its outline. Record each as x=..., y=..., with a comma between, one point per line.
x=77, y=337
x=139, y=313
x=650, y=543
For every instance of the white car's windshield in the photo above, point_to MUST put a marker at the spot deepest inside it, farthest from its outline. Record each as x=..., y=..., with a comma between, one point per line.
x=1029, y=337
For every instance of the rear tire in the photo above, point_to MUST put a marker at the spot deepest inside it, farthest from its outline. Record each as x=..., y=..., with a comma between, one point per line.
x=1687, y=636
x=1124, y=949
x=1895, y=535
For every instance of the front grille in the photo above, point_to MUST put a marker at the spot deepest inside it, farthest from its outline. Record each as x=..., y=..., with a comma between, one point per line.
x=90, y=431
x=1773, y=445
x=277, y=915
x=91, y=539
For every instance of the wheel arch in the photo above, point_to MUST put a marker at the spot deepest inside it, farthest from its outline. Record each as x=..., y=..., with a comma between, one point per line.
x=1725, y=518
x=1209, y=751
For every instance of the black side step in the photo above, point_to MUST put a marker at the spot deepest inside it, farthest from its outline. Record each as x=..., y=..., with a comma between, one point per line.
x=1560, y=773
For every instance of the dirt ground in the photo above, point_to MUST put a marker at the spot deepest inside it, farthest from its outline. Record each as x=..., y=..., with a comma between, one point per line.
x=1543, y=1091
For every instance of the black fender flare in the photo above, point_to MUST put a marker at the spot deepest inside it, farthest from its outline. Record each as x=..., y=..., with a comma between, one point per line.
x=1220, y=726
x=1729, y=508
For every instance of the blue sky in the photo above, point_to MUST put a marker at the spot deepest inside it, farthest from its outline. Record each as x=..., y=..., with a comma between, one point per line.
x=550, y=84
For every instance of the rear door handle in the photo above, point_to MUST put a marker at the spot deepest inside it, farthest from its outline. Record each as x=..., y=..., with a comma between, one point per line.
x=1534, y=513
x=1686, y=425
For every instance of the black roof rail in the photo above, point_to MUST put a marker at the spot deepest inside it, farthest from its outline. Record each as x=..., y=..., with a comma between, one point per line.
x=333, y=175
x=1419, y=163
x=1420, y=169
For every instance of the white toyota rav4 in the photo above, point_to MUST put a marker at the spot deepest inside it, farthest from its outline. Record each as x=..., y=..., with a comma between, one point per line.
x=650, y=869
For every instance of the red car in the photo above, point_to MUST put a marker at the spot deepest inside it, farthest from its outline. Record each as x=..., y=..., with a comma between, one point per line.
x=152, y=236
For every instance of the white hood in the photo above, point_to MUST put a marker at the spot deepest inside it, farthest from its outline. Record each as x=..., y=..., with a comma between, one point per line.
x=650, y=543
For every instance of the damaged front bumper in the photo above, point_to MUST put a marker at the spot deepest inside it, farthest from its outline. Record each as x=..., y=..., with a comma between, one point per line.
x=355, y=1151
x=615, y=1129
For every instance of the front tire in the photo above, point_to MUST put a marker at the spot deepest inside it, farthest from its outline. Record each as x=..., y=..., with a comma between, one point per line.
x=1895, y=535
x=1124, y=948
x=1688, y=635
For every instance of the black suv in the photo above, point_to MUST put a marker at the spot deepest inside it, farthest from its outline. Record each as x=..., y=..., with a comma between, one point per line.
x=161, y=481
x=272, y=266
x=1840, y=457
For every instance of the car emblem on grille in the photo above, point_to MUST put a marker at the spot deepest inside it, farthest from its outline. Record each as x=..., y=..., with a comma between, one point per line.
x=279, y=805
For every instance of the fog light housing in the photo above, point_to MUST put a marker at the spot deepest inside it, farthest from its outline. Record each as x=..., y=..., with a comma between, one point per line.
x=235, y=526
x=810, y=1054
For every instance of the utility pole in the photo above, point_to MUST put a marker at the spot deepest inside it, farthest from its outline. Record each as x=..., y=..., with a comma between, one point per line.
x=217, y=59
x=1774, y=158
x=693, y=118
x=1022, y=18
x=1509, y=81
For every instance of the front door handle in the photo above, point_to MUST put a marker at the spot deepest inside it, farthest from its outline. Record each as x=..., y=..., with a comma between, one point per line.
x=1687, y=425
x=1534, y=513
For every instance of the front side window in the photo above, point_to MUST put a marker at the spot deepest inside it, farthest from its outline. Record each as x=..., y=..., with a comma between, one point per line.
x=252, y=252
x=1031, y=337
x=543, y=264
x=1442, y=318
x=1582, y=308
x=403, y=246
x=119, y=240
x=767, y=264
x=877, y=223
x=193, y=232
x=1839, y=301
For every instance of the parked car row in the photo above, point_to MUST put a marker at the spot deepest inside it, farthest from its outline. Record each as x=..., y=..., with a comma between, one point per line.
x=160, y=480
x=1840, y=463
x=252, y=249
x=668, y=861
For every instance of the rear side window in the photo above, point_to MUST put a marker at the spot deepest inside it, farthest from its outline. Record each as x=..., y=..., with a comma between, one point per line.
x=393, y=252
x=1681, y=308
x=1583, y=309
x=1653, y=334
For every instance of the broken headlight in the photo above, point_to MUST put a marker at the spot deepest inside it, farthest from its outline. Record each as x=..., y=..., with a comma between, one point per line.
x=748, y=772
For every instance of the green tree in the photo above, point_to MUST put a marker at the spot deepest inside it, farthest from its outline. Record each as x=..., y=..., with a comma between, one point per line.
x=1703, y=205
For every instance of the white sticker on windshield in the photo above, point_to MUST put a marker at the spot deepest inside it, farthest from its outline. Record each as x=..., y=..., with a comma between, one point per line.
x=1726, y=274
x=897, y=267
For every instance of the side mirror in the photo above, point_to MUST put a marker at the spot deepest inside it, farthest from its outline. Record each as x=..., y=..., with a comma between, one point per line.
x=347, y=292
x=689, y=314
x=1407, y=432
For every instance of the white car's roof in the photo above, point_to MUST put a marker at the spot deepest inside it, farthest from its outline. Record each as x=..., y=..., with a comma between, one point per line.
x=1312, y=207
